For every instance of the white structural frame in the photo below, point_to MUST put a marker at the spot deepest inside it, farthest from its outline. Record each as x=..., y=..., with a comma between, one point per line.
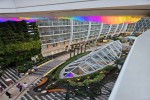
x=108, y=31
x=116, y=29
x=121, y=28
x=89, y=31
x=100, y=32
x=71, y=34
x=126, y=25
x=94, y=61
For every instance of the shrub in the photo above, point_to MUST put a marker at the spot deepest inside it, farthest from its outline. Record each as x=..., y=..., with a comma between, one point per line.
x=108, y=68
x=29, y=64
x=1, y=72
x=86, y=82
x=99, y=77
x=22, y=69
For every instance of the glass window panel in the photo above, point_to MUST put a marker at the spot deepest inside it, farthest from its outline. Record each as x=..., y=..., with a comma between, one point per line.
x=78, y=71
x=115, y=49
x=111, y=54
x=107, y=54
x=94, y=66
x=69, y=69
x=104, y=57
x=87, y=67
x=75, y=64
x=90, y=60
x=98, y=59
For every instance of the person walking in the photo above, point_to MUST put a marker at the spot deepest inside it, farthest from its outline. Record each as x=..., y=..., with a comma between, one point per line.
x=8, y=94
x=19, y=86
x=18, y=73
x=25, y=85
x=1, y=89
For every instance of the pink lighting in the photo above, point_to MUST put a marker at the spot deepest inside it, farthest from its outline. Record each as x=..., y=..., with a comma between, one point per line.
x=101, y=19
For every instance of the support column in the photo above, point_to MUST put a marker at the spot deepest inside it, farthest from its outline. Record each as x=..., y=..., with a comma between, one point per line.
x=108, y=31
x=116, y=29
x=78, y=48
x=89, y=30
x=100, y=32
x=74, y=50
x=121, y=28
x=71, y=34
x=85, y=48
x=81, y=48
x=70, y=53
x=124, y=29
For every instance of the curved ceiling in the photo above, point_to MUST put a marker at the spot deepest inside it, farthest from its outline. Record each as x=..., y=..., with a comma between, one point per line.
x=30, y=8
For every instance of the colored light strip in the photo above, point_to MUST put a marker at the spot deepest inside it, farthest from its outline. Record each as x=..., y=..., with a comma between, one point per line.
x=17, y=19
x=101, y=19
x=106, y=19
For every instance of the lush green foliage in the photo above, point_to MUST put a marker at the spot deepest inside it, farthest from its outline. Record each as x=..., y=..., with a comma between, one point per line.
x=1, y=72
x=90, y=78
x=25, y=67
x=17, y=43
x=22, y=69
x=25, y=46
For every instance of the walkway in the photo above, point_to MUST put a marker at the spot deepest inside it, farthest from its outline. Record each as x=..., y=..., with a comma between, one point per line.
x=9, y=73
x=31, y=79
x=46, y=67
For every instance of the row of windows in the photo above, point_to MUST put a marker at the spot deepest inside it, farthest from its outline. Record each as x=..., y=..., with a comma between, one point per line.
x=60, y=34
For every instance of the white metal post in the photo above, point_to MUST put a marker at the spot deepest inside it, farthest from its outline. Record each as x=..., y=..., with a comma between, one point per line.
x=115, y=32
x=124, y=29
x=71, y=34
x=121, y=28
x=108, y=31
x=100, y=31
x=89, y=31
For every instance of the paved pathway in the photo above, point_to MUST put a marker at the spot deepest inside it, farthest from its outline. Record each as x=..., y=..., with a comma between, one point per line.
x=15, y=91
x=46, y=67
x=9, y=73
x=29, y=79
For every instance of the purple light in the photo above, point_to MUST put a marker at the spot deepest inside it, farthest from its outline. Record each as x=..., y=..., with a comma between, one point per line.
x=17, y=19
x=14, y=19
x=2, y=20
x=69, y=75
x=31, y=20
